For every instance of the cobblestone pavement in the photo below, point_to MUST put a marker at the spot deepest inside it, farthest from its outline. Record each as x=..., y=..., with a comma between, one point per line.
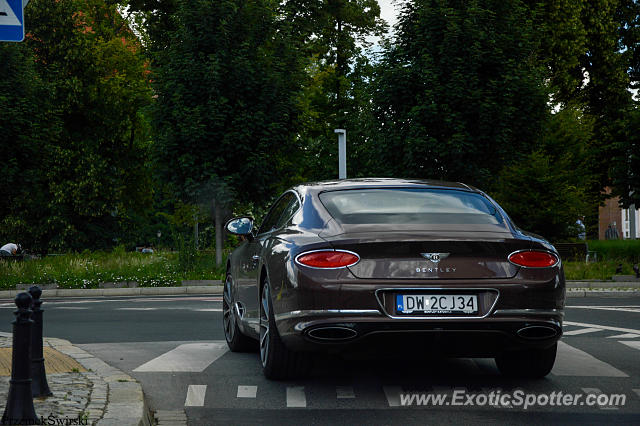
x=84, y=394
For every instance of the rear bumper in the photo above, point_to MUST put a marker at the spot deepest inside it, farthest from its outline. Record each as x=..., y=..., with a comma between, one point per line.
x=355, y=330
x=517, y=313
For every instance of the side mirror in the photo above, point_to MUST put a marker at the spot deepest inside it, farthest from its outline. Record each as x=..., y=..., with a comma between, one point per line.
x=240, y=226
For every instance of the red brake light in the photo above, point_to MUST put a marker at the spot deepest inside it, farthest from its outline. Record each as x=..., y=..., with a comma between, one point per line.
x=534, y=259
x=328, y=259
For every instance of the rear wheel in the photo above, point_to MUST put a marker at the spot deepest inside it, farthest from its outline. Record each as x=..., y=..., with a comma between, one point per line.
x=530, y=363
x=278, y=362
x=236, y=341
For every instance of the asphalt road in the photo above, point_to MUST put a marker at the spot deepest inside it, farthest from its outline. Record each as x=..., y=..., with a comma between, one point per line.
x=175, y=347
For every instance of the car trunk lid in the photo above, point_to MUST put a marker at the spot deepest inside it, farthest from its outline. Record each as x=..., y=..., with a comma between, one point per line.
x=478, y=254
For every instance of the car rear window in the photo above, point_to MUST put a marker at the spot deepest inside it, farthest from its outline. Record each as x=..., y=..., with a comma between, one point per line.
x=409, y=206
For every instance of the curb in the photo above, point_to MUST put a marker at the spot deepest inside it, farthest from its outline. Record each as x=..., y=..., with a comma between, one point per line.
x=136, y=291
x=125, y=403
x=600, y=292
x=592, y=289
x=603, y=284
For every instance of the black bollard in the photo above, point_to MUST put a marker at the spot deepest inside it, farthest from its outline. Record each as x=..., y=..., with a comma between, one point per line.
x=19, y=409
x=39, y=385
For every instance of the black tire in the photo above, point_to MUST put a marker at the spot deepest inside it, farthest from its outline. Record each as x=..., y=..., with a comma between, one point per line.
x=528, y=364
x=278, y=362
x=236, y=341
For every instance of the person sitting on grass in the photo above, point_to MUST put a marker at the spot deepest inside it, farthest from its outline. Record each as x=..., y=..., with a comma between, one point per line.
x=10, y=249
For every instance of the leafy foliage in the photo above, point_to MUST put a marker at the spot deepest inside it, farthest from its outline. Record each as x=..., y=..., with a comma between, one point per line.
x=459, y=91
x=87, y=67
x=226, y=105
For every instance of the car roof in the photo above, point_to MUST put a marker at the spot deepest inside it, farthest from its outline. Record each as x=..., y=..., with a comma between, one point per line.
x=363, y=183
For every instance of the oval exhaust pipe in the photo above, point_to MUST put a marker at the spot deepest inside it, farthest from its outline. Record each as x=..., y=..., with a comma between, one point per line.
x=537, y=332
x=333, y=333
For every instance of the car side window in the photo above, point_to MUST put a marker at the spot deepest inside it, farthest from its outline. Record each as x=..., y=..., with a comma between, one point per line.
x=286, y=215
x=271, y=221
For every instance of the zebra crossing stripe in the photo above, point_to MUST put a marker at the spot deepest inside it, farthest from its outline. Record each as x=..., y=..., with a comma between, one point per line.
x=581, y=331
x=296, y=397
x=195, y=396
x=635, y=344
x=574, y=362
x=624, y=336
x=604, y=327
x=393, y=395
x=189, y=357
x=637, y=391
x=345, y=392
x=247, y=391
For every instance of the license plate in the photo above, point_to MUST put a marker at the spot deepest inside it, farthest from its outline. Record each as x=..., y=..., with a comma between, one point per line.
x=437, y=303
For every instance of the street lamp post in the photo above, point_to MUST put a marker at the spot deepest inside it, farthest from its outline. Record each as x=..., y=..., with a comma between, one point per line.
x=342, y=153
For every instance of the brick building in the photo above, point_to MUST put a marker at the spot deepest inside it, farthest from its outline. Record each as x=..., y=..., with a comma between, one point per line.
x=619, y=219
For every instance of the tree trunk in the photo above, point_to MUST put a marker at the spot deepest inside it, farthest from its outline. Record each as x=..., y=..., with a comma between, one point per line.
x=218, y=213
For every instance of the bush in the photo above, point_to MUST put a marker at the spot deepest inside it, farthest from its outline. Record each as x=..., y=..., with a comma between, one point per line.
x=89, y=269
x=622, y=250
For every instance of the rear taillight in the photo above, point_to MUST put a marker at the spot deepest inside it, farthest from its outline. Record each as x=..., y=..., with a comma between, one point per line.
x=327, y=259
x=534, y=259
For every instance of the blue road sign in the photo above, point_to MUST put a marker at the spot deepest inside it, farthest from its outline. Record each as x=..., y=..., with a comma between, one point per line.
x=11, y=20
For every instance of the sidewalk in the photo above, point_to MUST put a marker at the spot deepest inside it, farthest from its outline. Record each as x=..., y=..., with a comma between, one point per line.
x=84, y=387
x=574, y=289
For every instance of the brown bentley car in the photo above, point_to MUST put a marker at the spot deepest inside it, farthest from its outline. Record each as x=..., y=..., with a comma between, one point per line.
x=433, y=266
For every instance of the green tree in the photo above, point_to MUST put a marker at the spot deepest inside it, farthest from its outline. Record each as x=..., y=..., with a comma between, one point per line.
x=227, y=107
x=333, y=35
x=547, y=191
x=92, y=67
x=27, y=126
x=459, y=92
x=589, y=49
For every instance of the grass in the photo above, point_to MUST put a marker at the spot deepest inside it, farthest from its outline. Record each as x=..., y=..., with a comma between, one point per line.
x=89, y=269
x=164, y=269
x=602, y=270
x=611, y=253
x=620, y=250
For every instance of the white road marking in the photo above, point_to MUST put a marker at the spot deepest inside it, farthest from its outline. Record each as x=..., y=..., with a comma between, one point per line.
x=581, y=331
x=635, y=344
x=195, y=396
x=208, y=310
x=574, y=362
x=629, y=308
x=296, y=397
x=247, y=391
x=136, y=309
x=79, y=308
x=345, y=392
x=624, y=336
x=393, y=395
x=637, y=391
x=189, y=357
x=604, y=327
x=3, y=334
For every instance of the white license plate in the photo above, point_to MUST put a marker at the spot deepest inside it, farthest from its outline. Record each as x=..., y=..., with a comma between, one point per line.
x=437, y=303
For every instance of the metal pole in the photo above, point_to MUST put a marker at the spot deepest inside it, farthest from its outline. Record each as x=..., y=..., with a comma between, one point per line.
x=632, y=221
x=195, y=231
x=39, y=385
x=19, y=408
x=342, y=153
